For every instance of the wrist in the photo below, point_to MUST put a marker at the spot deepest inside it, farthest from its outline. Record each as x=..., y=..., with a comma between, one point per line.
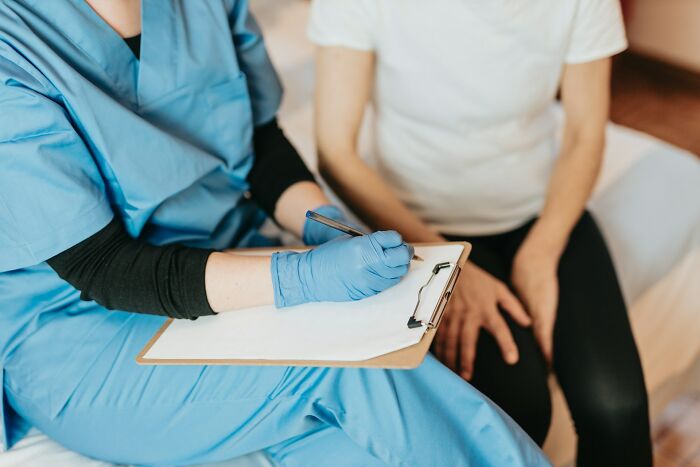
x=287, y=284
x=531, y=255
x=546, y=239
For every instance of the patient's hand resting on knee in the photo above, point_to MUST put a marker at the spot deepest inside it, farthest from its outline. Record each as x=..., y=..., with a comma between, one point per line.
x=474, y=305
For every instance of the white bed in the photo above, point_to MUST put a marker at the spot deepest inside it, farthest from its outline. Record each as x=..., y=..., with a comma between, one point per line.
x=647, y=201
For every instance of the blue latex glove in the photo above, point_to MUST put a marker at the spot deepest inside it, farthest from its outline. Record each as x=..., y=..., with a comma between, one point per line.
x=341, y=270
x=316, y=233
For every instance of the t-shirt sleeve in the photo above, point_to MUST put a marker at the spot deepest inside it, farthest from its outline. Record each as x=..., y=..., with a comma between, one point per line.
x=345, y=23
x=597, y=31
x=52, y=195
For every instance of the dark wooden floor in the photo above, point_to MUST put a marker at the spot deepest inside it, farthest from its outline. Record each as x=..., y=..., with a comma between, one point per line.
x=657, y=99
x=665, y=102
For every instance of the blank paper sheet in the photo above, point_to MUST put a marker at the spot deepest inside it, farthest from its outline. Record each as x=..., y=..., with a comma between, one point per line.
x=344, y=331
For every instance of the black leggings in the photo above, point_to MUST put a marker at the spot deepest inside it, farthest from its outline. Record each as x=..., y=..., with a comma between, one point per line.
x=595, y=356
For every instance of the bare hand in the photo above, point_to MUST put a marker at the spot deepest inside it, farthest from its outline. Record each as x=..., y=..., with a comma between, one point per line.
x=534, y=278
x=474, y=305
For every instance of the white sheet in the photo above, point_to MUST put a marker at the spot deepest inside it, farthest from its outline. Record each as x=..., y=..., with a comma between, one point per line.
x=36, y=450
x=344, y=331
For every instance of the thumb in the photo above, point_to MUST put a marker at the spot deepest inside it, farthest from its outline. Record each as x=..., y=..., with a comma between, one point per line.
x=387, y=238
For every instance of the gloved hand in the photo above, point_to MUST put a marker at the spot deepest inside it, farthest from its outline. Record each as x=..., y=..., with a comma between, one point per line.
x=316, y=233
x=341, y=270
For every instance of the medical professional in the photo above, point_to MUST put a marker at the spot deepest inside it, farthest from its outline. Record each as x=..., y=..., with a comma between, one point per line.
x=137, y=141
x=465, y=146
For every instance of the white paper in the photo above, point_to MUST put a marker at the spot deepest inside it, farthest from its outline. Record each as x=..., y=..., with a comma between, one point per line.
x=345, y=331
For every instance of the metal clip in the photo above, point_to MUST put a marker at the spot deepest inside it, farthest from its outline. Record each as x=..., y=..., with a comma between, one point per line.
x=413, y=322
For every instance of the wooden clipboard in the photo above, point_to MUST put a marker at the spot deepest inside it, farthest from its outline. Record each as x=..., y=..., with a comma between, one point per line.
x=406, y=358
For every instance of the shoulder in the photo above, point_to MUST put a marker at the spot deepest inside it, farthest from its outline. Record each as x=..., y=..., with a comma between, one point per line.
x=604, y=11
x=348, y=23
x=355, y=8
x=597, y=31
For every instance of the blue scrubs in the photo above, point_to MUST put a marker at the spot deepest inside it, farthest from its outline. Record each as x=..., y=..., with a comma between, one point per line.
x=87, y=132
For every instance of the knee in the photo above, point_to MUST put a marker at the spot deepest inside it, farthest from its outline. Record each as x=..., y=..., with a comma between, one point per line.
x=615, y=418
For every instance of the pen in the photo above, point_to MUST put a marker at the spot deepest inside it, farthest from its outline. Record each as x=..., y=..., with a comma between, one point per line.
x=334, y=224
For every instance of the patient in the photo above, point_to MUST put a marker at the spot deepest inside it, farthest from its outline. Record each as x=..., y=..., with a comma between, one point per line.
x=465, y=147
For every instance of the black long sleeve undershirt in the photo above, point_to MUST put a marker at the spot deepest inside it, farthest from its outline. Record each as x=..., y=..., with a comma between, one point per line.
x=120, y=272
x=277, y=166
x=123, y=273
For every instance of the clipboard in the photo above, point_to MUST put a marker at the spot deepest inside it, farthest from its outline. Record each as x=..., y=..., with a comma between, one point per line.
x=405, y=358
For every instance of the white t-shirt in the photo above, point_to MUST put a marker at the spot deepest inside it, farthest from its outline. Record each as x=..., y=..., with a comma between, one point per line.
x=465, y=127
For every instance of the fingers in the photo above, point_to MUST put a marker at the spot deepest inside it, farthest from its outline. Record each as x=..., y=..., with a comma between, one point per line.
x=387, y=238
x=499, y=329
x=440, y=338
x=451, y=343
x=445, y=332
x=394, y=273
x=398, y=256
x=393, y=254
x=512, y=305
x=378, y=283
x=469, y=339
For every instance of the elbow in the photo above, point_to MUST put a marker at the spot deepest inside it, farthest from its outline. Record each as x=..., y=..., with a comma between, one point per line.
x=330, y=160
x=325, y=167
x=588, y=141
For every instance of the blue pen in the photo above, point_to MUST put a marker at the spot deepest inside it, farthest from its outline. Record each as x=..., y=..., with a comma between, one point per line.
x=334, y=224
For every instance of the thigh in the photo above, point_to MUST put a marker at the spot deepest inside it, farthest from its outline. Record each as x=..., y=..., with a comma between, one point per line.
x=328, y=445
x=521, y=389
x=178, y=415
x=159, y=415
x=396, y=414
x=595, y=355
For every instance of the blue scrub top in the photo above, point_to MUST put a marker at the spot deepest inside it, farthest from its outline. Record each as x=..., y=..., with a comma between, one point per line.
x=88, y=132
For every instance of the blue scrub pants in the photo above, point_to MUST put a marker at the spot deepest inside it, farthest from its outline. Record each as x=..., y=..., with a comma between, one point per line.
x=176, y=415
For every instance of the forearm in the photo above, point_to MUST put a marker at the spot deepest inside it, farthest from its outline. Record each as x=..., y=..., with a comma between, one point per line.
x=291, y=208
x=123, y=273
x=364, y=191
x=234, y=281
x=343, y=84
x=585, y=97
x=572, y=181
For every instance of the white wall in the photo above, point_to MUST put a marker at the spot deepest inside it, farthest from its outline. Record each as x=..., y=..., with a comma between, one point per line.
x=666, y=29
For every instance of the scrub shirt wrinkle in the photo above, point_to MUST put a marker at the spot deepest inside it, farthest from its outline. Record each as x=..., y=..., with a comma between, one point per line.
x=88, y=132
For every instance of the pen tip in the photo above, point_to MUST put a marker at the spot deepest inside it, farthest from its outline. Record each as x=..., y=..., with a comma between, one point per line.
x=309, y=213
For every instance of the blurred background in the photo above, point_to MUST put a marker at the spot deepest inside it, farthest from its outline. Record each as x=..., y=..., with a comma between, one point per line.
x=656, y=83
